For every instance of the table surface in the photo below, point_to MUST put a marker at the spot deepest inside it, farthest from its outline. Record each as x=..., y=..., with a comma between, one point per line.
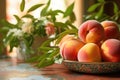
x=10, y=70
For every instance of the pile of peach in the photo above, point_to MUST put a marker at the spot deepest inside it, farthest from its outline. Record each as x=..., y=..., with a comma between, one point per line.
x=96, y=42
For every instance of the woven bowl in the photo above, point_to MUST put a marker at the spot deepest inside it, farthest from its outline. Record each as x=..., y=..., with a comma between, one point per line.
x=92, y=67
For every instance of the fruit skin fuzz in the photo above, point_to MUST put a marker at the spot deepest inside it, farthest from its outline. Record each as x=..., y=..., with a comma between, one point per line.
x=69, y=49
x=90, y=52
x=111, y=50
x=91, y=31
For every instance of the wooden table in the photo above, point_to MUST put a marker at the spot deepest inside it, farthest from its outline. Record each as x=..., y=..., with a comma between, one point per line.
x=10, y=70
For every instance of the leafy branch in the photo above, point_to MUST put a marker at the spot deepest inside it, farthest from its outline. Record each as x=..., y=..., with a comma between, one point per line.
x=96, y=11
x=26, y=31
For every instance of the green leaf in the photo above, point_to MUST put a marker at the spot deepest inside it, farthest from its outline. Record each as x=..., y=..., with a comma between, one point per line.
x=44, y=48
x=48, y=58
x=72, y=17
x=54, y=53
x=58, y=59
x=54, y=12
x=89, y=16
x=4, y=30
x=17, y=18
x=116, y=9
x=60, y=24
x=45, y=62
x=70, y=25
x=28, y=16
x=99, y=14
x=8, y=39
x=47, y=42
x=44, y=10
x=69, y=10
x=53, y=18
x=28, y=39
x=51, y=52
x=34, y=7
x=32, y=59
x=22, y=5
x=12, y=41
x=58, y=11
x=42, y=57
x=93, y=7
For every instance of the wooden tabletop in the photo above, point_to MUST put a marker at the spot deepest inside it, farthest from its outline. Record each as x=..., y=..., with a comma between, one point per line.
x=10, y=70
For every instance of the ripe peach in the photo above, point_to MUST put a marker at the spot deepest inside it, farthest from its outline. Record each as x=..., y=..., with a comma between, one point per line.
x=111, y=29
x=91, y=31
x=111, y=50
x=69, y=49
x=66, y=38
x=90, y=52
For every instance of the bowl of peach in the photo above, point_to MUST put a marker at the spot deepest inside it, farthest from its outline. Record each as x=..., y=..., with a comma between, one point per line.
x=95, y=50
x=92, y=67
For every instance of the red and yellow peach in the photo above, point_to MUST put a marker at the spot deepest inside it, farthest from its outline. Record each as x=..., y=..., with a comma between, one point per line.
x=111, y=50
x=91, y=31
x=90, y=52
x=66, y=38
x=111, y=29
x=69, y=49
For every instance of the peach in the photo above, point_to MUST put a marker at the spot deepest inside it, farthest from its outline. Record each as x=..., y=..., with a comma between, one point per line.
x=90, y=52
x=111, y=50
x=66, y=38
x=91, y=31
x=111, y=29
x=70, y=48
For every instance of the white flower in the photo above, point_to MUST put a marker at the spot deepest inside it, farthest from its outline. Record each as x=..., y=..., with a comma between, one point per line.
x=18, y=33
x=15, y=32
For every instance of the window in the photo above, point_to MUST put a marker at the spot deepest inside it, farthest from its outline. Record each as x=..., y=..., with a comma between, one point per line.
x=13, y=7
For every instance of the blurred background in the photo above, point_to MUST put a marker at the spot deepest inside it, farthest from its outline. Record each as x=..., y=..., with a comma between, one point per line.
x=8, y=8
x=11, y=7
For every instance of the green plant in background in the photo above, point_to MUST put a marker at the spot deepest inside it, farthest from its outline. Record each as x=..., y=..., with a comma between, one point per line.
x=51, y=53
x=28, y=27
x=97, y=11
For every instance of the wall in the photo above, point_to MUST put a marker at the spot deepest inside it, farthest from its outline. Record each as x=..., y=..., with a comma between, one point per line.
x=2, y=9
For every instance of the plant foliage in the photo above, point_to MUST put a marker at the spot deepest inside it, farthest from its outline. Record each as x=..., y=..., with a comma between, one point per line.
x=27, y=27
x=97, y=11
